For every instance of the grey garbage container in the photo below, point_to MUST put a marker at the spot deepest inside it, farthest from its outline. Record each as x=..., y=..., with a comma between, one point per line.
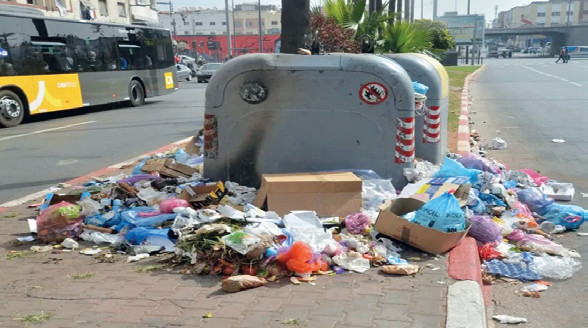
x=280, y=113
x=431, y=126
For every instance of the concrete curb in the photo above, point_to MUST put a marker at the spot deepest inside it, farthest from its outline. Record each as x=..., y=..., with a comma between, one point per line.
x=89, y=176
x=463, y=130
x=468, y=298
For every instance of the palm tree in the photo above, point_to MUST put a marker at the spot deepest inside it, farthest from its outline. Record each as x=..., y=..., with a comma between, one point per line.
x=402, y=37
x=347, y=13
x=295, y=24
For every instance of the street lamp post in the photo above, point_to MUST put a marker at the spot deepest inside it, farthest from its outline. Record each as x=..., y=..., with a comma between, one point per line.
x=171, y=14
x=260, y=32
x=230, y=47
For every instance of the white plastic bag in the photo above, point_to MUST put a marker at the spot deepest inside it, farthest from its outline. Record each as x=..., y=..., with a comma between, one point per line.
x=352, y=261
x=375, y=192
x=555, y=267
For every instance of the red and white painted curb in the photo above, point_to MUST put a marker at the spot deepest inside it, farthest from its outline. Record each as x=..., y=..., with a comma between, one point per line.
x=87, y=177
x=463, y=130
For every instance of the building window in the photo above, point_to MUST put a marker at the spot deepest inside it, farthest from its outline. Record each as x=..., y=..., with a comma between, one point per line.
x=198, y=23
x=274, y=22
x=102, y=7
x=186, y=23
x=249, y=23
x=540, y=24
x=187, y=32
x=212, y=33
x=224, y=23
x=555, y=13
x=570, y=13
x=122, y=11
x=238, y=23
x=212, y=23
x=540, y=14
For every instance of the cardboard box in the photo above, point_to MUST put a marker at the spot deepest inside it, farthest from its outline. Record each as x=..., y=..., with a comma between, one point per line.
x=326, y=193
x=436, y=187
x=204, y=196
x=168, y=168
x=430, y=240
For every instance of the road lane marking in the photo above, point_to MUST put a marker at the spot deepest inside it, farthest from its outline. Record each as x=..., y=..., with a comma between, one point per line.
x=46, y=130
x=553, y=76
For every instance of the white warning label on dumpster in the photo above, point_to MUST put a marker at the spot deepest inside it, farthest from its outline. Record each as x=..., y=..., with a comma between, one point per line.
x=373, y=93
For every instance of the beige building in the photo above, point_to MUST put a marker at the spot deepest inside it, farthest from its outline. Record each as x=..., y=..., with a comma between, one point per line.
x=549, y=13
x=111, y=11
x=247, y=19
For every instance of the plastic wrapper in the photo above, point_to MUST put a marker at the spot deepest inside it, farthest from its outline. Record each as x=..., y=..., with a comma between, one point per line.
x=420, y=87
x=135, y=216
x=503, y=318
x=569, y=216
x=150, y=236
x=89, y=206
x=238, y=283
x=555, y=267
x=473, y=161
x=299, y=258
x=538, y=243
x=558, y=190
x=484, y=230
x=475, y=203
x=520, y=177
x=421, y=170
x=99, y=237
x=442, y=213
x=58, y=222
x=263, y=229
x=488, y=252
x=451, y=168
x=305, y=226
x=352, y=261
x=538, y=179
x=241, y=241
x=535, y=200
x=168, y=205
x=499, y=144
x=357, y=223
x=375, y=192
x=400, y=269
x=490, y=200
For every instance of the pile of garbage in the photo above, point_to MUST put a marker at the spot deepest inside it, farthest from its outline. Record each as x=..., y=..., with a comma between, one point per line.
x=212, y=227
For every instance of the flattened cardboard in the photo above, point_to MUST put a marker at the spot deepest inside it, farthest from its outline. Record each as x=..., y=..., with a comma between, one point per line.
x=390, y=223
x=168, y=168
x=326, y=193
x=191, y=192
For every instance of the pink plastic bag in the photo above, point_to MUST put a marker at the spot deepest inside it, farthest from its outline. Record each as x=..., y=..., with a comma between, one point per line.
x=168, y=205
x=58, y=222
x=537, y=178
x=357, y=223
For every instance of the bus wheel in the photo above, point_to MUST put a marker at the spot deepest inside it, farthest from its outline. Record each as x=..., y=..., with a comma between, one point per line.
x=136, y=93
x=11, y=109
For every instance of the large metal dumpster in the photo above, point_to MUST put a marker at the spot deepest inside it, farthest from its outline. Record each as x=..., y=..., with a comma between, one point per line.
x=280, y=113
x=431, y=126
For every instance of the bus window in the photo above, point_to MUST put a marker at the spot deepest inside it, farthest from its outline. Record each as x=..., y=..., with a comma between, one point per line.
x=57, y=58
x=130, y=57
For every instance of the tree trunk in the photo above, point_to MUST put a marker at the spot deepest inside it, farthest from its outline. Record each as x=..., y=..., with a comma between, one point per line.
x=407, y=10
x=399, y=9
x=379, y=6
x=391, y=11
x=295, y=24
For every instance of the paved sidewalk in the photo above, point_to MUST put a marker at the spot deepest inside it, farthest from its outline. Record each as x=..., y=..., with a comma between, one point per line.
x=119, y=296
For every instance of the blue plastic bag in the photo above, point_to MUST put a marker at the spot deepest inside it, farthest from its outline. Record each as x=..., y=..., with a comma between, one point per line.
x=451, y=168
x=150, y=236
x=138, y=168
x=132, y=216
x=442, y=213
x=537, y=201
x=490, y=199
x=569, y=216
x=420, y=88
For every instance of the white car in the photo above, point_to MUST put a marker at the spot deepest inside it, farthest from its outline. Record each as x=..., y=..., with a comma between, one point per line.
x=183, y=73
x=187, y=60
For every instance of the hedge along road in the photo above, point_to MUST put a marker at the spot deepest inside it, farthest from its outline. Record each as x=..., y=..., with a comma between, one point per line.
x=528, y=103
x=56, y=147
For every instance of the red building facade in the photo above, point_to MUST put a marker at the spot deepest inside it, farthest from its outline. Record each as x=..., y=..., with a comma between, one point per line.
x=214, y=48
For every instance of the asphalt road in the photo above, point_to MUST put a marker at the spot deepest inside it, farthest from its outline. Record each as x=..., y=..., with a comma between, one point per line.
x=528, y=103
x=56, y=147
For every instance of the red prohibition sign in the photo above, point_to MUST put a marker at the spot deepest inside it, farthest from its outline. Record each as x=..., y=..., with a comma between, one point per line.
x=373, y=93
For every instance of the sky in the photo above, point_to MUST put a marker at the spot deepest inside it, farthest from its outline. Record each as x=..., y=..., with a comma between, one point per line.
x=485, y=7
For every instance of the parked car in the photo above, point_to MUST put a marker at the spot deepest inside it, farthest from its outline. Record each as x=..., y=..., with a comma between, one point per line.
x=206, y=71
x=184, y=73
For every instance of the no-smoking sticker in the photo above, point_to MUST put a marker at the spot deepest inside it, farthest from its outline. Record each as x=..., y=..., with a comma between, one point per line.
x=373, y=93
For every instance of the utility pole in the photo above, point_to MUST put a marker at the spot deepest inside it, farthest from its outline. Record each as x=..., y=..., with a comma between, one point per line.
x=473, y=40
x=434, y=9
x=171, y=14
x=260, y=30
x=230, y=46
x=421, y=9
x=412, y=10
x=234, y=33
x=407, y=10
